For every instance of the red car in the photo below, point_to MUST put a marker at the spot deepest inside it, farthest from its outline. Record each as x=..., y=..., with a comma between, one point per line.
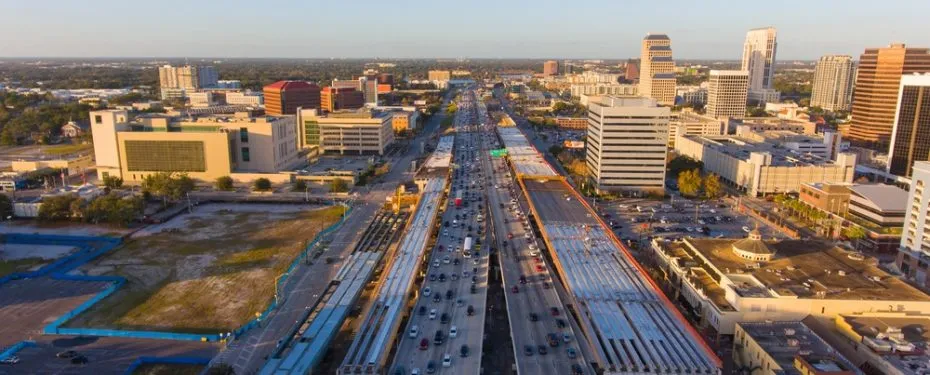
x=424, y=344
x=515, y=289
x=509, y=236
x=554, y=311
x=539, y=268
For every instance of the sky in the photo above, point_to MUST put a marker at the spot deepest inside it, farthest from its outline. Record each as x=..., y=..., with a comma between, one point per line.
x=606, y=29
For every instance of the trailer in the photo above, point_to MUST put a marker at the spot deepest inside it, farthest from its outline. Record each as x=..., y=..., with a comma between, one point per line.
x=466, y=247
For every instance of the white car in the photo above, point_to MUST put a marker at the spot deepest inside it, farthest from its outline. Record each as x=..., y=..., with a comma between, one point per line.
x=432, y=314
x=446, y=360
x=427, y=291
x=11, y=360
x=453, y=332
x=746, y=229
x=414, y=331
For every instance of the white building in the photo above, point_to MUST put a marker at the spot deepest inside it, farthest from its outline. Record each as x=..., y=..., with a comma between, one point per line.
x=759, y=60
x=627, y=144
x=603, y=89
x=687, y=122
x=833, y=83
x=691, y=94
x=726, y=94
x=249, y=98
x=200, y=99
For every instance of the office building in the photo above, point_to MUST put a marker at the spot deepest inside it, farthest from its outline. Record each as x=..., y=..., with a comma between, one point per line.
x=204, y=147
x=787, y=348
x=833, y=83
x=694, y=95
x=439, y=75
x=657, y=69
x=551, y=68
x=207, y=77
x=603, y=89
x=572, y=123
x=200, y=99
x=878, y=81
x=726, y=281
x=247, y=98
x=910, y=138
x=174, y=79
x=759, y=60
x=369, y=89
x=284, y=97
x=726, y=94
x=875, y=208
x=627, y=144
x=687, y=122
x=339, y=98
x=914, y=254
x=764, y=166
x=402, y=121
x=232, y=84
x=360, y=131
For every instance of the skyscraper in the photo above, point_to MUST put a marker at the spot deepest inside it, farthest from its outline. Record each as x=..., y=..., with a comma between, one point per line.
x=551, y=68
x=833, y=83
x=207, y=76
x=726, y=93
x=657, y=69
x=283, y=97
x=627, y=144
x=910, y=140
x=759, y=60
x=877, y=84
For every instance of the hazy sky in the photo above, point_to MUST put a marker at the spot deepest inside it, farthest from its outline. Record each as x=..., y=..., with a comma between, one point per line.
x=441, y=28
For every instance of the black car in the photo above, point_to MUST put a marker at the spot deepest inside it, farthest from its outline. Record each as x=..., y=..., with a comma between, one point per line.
x=67, y=354
x=444, y=318
x=430, y=367
x=470, y=311
x=422, y=310
x=542, y=349
x=463, y=351
x=79, y=360
x=560, y=323
x=528, y=350
x=474, y=289
x=446, y=223
x=577, y=370
x=432, y=277
x=442, y=277
x=437, y=298
x=449, y=294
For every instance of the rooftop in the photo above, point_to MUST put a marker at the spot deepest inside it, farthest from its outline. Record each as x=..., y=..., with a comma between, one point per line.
x=885, y=197
x=288, y=85
x=742, y=147
x=804, y=269
x=784, y=341
x=656, y=37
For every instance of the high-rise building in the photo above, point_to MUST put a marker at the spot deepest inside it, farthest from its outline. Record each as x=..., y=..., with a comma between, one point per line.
x=631, y=71
x=439, y=75
x=726, y=93
x=207, y=77
x=759, y=60
x=878, y=81
x=340, y=98
x=283, y=97
x=915, y=239
x=657, y=69
x=910, y=139
x=551, y=68
x=369, y=89
x=186, y=78
x=833, y=83
x=627, y=141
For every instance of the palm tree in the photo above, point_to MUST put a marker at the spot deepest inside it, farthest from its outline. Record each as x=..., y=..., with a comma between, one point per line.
x=856, y=233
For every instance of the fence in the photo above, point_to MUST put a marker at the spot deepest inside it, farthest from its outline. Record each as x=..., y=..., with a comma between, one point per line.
x=166, y=360
x=9, y=352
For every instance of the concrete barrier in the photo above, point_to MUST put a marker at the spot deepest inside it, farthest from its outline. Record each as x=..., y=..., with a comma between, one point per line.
x=166, y=360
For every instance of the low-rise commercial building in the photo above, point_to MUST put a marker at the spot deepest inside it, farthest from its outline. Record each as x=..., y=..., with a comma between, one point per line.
x=575, y=123
x=361, y=131
x=603, y=89
x=404, y=120
x=696, y=95
x=688, y=122
x=341, y=98
x=763, y=167
x=248, y=98
x=891, y=342
x=876, y=208
x=789, y=348
x=200, y=99
x=728, y=281
x=204, y=147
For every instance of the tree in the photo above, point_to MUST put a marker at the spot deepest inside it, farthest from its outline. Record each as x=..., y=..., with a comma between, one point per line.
x=854, y=233
x=224, y=183
x=112, y=182
x=689, y=183
x=6, y=207
x=262, y=184
x=113, y=209
x=57, y=207
x=338, y=185
x=713, y=189
x=299, y=185
x=167, y=185
x=683, y=163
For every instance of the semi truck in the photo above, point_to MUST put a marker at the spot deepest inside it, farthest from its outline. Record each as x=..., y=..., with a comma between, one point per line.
x=458, y=198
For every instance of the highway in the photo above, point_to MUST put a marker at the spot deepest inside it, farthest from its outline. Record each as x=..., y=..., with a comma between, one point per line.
x=452, y=297
x=529, y=301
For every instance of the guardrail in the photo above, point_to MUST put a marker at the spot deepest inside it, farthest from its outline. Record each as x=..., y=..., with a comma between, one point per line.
x=13, y=349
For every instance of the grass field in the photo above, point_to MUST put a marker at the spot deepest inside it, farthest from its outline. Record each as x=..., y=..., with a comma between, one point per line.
x=206, y=272
x=66, y=149
x=19, y=265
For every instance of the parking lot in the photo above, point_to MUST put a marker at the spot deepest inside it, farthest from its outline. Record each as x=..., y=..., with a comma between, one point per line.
x=26, y=306
x=637, y=219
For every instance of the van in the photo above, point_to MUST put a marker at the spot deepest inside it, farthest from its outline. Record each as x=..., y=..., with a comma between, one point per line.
x=414, y=331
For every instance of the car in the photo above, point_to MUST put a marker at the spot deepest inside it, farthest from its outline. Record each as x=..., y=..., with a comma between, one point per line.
x=546, y=285
x=432, y=314
x=446, y=259
x=432, y=277
x=414, y=331
x=449, y=294
x=422, y=310
x=430, y=367
x=474, y=289
x=560, y=323
x=415, y=371
x=542, y=349
x=460, y=302
x=572, y=354
x=509, y=236
x=11, y=360
x=552, y=339
x=470, y=311
x=436, y=263
x=539, y=268
x=566, y=337
x=446, y=360
x=444, y=319
x=528, y=350
x=67, y=354
x=455, y=262
x=476, y=260
x=463, y=351
x=79, y=360
x=437, y=298
x=438, y=338
x=522, y=279
x=534, y=317
x=515, y=289
x=746, y=229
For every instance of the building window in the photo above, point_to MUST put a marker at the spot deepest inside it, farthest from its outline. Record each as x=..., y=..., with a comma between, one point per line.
x=98, y=119
x=245, y=154
x=244, y=135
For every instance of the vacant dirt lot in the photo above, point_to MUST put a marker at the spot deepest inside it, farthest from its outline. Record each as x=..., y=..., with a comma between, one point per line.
x=210, y=271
